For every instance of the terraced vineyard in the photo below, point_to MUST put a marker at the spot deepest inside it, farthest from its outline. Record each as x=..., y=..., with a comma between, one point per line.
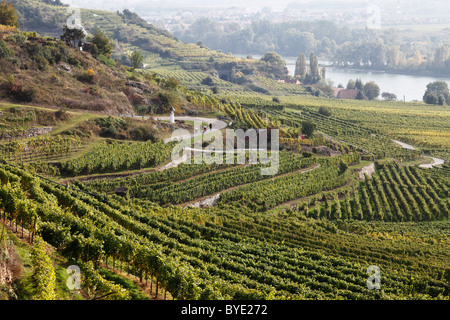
x=175, y=189
x=193, y=79
x=361, y=138
x=310, y=231
x=119, y=156
x=393, y=194
x=340, y=201
x=233, y=253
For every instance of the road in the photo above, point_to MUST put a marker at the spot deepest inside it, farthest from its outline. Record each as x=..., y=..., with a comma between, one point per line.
x=216, y=125
x=436, y=161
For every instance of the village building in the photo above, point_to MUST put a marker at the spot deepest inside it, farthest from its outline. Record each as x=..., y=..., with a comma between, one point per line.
x=342, y=93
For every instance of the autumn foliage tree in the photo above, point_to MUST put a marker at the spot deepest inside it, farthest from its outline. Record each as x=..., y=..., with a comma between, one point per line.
x=8, y=15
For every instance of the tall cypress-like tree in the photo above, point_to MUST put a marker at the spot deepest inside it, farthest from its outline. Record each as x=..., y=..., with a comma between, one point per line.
x=314, y=67
x=300, y=66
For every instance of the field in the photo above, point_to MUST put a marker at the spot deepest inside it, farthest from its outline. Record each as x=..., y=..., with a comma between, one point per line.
x=308, y=232
x=234, y=253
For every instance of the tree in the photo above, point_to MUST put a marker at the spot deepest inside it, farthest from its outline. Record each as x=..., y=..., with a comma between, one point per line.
x=360, y=96
x=434, y=90
x=351, y=84
x=430, y=98
x=371, y=90
x=441, y=55
x=308, y=128
x=272, y=58
x=300, y=66
x=389, y=96
x=394, y=57
x=274, y=65
x=8, y=15
x=71, y=35
x=103, y=43
x=314, y=68
x=136, y=59
x=358, y=84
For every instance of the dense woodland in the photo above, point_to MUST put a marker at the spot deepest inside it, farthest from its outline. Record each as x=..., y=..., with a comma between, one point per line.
x=343, y=46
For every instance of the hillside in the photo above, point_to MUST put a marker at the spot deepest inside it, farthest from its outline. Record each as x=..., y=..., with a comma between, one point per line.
x=49, y=73
x=45, y=72
x=161, y=50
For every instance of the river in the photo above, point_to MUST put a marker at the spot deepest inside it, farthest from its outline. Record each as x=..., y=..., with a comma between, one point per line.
x=406, y=87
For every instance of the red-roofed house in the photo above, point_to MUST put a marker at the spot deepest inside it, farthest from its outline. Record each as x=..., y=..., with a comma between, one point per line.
x=342, y=93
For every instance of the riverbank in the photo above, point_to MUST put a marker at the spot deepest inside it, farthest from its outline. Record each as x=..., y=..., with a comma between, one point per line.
x=393, y=72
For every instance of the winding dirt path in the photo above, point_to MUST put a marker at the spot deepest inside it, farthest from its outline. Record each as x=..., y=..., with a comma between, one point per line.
x=216, y=125
x=436, y=161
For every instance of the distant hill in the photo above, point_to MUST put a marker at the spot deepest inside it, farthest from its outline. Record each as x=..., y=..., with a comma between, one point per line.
x=127, y=29
x=130, y=32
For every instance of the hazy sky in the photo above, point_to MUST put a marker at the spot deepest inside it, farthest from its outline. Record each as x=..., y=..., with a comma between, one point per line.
x=104, y=4
x=415, y=8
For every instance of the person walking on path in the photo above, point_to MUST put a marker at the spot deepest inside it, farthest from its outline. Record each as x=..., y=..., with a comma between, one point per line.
x=210, y=126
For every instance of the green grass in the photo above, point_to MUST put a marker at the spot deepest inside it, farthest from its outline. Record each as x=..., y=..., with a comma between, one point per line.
x=24, y=285
x=134, y=290
x=74, y=122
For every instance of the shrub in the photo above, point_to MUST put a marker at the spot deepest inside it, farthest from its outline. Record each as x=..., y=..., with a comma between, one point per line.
x=17, y=38
x=167, y=99
x=258, y=89
x=171, y=83
x=143, y=134
x=74, y=62
x=208, y=81
x=4, y=50
x=324, y=111
x=110, y=126
x=17, y=91
x=42, y=63
x=308, y=128
x=109, y=62
x=87, y=76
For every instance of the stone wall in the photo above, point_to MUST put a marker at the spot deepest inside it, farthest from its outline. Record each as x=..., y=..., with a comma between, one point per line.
x=369, y=170
x=29, y=133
